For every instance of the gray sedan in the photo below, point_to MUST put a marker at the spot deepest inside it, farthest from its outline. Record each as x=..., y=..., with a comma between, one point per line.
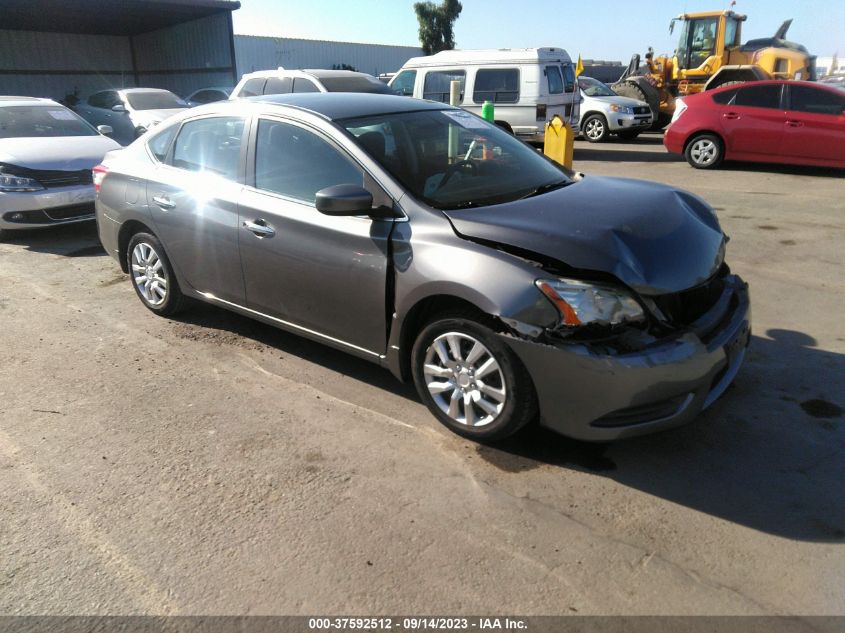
x=422, y=238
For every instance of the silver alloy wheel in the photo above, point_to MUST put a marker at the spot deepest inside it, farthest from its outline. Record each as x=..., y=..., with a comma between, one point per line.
x=594, y=128
x=147, y=274
x=464, y=379
x=703, y=151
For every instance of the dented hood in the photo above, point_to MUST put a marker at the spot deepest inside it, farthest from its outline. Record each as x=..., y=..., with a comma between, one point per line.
x=653, y=238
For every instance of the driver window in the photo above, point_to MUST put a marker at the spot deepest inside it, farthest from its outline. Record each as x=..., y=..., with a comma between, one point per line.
x=297, y=163
x=703, y=42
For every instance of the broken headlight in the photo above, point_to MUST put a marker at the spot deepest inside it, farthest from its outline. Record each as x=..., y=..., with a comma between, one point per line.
x=582, y=303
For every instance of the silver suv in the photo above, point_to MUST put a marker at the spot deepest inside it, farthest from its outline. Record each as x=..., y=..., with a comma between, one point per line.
x=281, y=81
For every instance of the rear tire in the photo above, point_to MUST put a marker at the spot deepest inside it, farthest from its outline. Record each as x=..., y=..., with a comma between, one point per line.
x=470, y=380
x=595, y=128
x=704, y=151
x=152, y=275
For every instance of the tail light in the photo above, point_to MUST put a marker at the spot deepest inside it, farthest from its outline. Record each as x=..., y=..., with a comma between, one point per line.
x=98, y=174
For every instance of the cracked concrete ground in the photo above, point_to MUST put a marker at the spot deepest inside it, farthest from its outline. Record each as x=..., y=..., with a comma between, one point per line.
x=214, y=465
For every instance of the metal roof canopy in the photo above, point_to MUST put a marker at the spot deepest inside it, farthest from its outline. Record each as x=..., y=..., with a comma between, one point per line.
x=112, y=17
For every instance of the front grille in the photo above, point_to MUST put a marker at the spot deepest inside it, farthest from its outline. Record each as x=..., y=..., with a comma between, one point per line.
x=685, y=307
x=51, y=216
x=51, y=178
x=642, y=110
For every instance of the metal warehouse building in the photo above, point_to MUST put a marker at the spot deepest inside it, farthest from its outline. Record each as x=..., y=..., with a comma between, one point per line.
x=52, y=48
x=265, y=53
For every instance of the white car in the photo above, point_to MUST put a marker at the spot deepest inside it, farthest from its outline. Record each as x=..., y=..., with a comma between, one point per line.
x=281, y=81
x=603, y=112
x=131, y=111
x=46, y=156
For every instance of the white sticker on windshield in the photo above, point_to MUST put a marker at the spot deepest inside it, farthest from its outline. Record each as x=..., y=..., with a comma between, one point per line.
x=62, y=115
x=465, y=119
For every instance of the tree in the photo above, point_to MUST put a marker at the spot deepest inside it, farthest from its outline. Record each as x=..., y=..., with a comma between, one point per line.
x=436, y=21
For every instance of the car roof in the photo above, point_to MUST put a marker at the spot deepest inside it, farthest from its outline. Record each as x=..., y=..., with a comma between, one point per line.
x=134, y=90
x=349, y=105
x=27, y=101
x=317, y=73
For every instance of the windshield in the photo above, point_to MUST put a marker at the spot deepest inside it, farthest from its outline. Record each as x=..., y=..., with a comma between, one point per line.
x=697, y=42
x=452, y=159
x=41, y=120
x=594, y=88
x=154, y=101
x=356, y=84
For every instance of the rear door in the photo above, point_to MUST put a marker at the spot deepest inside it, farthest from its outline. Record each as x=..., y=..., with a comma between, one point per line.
x=753, y=121
x=193, y=198
x=815, y=124
x=321, y=274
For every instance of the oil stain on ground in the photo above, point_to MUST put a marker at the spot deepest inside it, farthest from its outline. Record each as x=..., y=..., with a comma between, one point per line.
x=821, y=408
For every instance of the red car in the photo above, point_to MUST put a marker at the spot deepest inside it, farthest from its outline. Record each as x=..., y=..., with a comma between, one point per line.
x=795, y=122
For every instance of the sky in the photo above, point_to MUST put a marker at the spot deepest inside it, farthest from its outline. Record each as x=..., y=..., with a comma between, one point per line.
x=597, y=29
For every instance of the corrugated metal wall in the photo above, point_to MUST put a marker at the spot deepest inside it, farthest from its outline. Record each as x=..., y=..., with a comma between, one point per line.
x=181, y=58
x=27, y=57
x=264, y=53
x=200, y=48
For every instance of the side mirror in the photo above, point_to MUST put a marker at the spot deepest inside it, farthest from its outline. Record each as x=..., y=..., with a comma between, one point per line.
x=344, y=200
x=105, y=130
x=118, y=107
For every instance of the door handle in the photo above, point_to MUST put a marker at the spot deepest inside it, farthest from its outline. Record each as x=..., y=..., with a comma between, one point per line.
x=730, y=115
x=259, y=228
x=795, y=123
x=164, y=202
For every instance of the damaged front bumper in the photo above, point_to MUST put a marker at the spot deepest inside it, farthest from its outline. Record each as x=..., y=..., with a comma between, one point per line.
x=591, y=392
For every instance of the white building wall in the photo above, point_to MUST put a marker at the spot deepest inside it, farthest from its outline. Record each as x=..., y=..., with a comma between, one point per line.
x=265, y=53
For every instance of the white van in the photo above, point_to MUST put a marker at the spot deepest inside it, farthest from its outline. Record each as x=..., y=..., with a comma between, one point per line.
x=527, y=86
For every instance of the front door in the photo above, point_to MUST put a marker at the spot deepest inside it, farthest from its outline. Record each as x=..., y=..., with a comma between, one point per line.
x=753, y=121
x=193, y=200
x=323, y=274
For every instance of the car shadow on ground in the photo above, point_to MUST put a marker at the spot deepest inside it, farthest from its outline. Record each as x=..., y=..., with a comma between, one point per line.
x=768, y=455
x=606, y=152
x=789, y=170
x=214, y=319
x=69, y=240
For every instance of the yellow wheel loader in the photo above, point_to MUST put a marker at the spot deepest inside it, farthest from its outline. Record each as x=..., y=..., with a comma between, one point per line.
x=709, y=54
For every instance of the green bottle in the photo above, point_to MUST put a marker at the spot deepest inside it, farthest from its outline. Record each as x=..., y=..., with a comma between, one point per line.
x=487, y=111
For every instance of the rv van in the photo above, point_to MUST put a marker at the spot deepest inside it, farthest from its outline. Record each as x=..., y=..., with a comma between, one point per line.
x=527, y=86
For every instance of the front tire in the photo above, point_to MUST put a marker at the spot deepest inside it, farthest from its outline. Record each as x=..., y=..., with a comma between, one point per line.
x=152, y=275
x=595, y=128
x=470, y=380
x=704, y=151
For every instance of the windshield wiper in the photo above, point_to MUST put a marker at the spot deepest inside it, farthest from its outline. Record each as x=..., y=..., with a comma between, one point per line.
x=549, y=186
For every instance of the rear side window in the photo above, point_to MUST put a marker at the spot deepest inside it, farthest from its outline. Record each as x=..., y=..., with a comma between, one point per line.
x=555, y=80
x=496, y=85
x=293, y=162
x=404, y=83
x=767, y=96
x=725, y=97
x=210, y=145
x=814, y=101
x=304, y=85
x=437, y=84
x=277, y=86
x=568, y=78
x=253, y=87
x=160, y=143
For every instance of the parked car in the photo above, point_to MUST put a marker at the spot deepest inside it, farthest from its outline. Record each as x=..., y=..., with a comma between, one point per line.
x=432, y=242
x=281, y=81
x=527, y=86
x=130, y=112
x=208, y=95
x=837, y=81
x=796, y=122
x=46, y=156
x=603, y=112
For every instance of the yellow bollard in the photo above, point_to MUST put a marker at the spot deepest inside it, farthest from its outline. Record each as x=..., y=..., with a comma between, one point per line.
x=559, y=141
